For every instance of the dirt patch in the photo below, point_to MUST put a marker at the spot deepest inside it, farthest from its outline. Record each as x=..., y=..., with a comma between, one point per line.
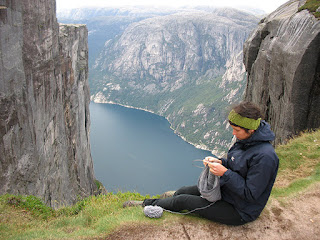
x=295, y=218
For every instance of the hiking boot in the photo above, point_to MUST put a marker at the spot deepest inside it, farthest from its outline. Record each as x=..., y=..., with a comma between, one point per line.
x=132, y=203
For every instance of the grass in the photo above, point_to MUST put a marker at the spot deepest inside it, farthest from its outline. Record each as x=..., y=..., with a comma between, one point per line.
x=26, y=217
x=312, y=6
x=299, y=164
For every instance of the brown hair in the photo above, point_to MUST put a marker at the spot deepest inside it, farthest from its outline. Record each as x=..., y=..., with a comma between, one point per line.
x=248, y=110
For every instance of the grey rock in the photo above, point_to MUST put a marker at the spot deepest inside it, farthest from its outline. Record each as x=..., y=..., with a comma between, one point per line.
x=282, y=59
x=44, y=97
x=167, y=194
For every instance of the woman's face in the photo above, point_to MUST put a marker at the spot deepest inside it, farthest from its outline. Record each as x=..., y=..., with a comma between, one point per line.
x=240, y=133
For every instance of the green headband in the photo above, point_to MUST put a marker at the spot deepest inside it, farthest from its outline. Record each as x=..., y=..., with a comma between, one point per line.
x=248, y=123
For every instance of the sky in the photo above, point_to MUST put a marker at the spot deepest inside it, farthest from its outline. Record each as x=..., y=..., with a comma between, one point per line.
x=267, y=5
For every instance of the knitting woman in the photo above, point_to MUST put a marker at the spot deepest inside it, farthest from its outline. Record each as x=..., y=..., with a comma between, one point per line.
x=246, y=176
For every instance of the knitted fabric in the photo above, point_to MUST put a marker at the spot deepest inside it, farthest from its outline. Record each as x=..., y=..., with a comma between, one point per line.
x=248, y=123
x=209, y=185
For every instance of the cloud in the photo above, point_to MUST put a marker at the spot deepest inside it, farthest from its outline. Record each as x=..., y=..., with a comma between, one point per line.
x=268, y=6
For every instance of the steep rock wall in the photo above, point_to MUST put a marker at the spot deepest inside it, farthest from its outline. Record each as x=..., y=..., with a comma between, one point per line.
x=44, y=97
x=282, y=59
x=160, y=54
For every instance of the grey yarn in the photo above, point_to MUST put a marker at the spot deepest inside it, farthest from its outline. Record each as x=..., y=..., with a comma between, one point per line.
x=209, y=185
x=153, y=211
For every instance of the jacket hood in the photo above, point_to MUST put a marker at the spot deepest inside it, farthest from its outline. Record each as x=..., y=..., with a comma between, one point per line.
x=262, y=134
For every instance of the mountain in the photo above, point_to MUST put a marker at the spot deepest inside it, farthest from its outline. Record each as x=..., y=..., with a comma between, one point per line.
x=186, y=66
x=282, y=58
x=106, y=23
x=44, y=97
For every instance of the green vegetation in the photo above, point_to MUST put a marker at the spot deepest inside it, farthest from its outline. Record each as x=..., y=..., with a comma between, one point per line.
x=210, y=96
x=312, y=6
x=31, y=204
x=299, y=164
x=26, y=217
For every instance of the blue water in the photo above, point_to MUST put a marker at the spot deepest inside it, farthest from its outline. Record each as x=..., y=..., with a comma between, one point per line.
x=134, y=150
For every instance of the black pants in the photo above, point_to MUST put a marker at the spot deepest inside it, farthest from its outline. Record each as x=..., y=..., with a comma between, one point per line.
x=188, y=198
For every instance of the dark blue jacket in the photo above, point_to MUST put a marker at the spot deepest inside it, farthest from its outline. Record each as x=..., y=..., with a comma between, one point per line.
x=252, y=168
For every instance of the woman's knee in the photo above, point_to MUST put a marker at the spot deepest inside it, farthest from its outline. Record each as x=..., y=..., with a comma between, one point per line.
x=180, y=191
x=191, y=190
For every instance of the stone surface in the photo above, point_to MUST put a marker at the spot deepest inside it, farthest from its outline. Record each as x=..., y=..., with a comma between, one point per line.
x=44, y=97
x=282, y=59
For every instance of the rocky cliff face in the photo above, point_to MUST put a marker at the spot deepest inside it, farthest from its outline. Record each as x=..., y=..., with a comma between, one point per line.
x=185, y=66
x=158, y=54
x=44, y=97
x=282, y=58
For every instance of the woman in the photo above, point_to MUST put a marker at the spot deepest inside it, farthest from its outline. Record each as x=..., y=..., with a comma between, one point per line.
x=246, y=175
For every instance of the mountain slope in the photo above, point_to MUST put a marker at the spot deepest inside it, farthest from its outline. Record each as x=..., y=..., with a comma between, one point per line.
x=185, y=66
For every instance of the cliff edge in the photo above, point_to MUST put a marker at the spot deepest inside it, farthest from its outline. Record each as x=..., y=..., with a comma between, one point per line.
x=282, y=59
x=44, y=97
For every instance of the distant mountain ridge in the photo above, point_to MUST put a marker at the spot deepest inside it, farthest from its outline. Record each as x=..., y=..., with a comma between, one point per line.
x=185, y=66
x=142, y=11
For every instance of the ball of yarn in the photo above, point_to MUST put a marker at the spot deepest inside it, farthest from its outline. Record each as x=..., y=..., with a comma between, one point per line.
x=153, y=211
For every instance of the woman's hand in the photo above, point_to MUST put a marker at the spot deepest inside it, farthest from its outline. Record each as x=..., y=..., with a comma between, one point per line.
x=211, y=160
x=217, y=169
